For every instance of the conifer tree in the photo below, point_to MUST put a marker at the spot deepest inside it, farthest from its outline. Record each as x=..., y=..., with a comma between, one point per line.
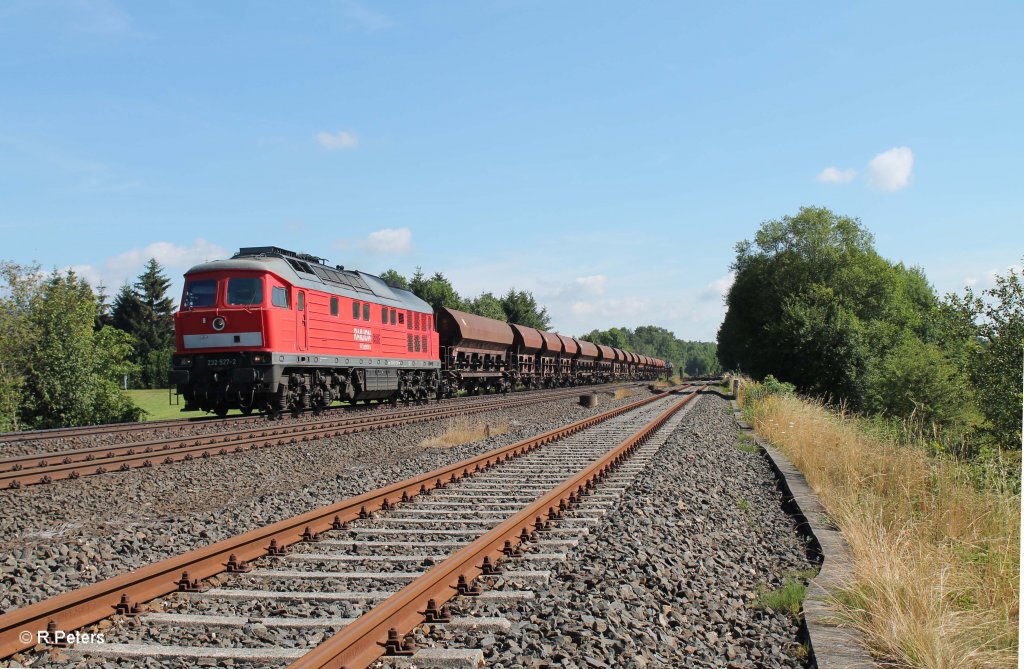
x=145, y=311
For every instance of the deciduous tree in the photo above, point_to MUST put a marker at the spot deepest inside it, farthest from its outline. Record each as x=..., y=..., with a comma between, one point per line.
x=70, y=370
x=814, y=304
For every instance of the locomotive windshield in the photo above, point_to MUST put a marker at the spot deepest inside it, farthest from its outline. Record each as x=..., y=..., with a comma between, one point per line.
x=243, y=291
x=201, y=293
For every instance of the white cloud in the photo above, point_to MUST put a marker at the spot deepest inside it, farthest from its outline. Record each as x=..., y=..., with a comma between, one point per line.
x=834, y=175
x=718, y=288
x=101, y=17
x=337, y=141
x=395, y=241
x=592, y=285
x=91, y=274
x=620, y=309
x=361, y=16
x=988, y=278
x=175, y=259
x=169, y=254
x=890, y=170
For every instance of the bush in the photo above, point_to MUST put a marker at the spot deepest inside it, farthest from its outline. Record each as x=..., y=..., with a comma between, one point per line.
x=769, y=387
x=60, y=370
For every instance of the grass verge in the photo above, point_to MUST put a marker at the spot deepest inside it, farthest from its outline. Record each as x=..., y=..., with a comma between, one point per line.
x=155, y=404
x=936, y=555
x=463, y=431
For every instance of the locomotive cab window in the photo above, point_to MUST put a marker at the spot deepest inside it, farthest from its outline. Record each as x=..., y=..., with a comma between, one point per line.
x=384, y=315
x=355, y=310
x=392, y=316
x=366, y=311
x=202, y=293
x=245, y=291
x=334, y=306
x=279, y=297
x=302, y=301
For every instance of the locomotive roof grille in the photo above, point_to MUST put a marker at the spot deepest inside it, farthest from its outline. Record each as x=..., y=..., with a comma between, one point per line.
x=316, y=267
x=278, y=251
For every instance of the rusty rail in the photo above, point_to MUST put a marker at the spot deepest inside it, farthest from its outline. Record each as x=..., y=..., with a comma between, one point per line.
x=114, y=428
x=41, y=468
x=95, y=602
x=362, y=642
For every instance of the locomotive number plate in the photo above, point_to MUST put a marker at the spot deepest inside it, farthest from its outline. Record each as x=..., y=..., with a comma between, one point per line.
x=222, y=362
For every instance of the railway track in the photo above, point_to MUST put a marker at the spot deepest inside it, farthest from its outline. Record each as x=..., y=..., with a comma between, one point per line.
x=115, y=428
x=373, y=566
x=41, y=468
x=88, y=431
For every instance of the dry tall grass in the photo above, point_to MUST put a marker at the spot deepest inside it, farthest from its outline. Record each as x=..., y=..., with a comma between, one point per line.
x=463, y=431
x=623, y=393
x=937, y=561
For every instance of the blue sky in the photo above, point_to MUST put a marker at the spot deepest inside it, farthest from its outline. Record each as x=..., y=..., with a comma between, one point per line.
x=606, y=156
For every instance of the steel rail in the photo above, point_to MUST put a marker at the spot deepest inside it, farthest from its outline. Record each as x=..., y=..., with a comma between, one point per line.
x=43, y=458
x=12, y=463
x=72, y=610
x=113, y=428
x=360, y=643
x=10, y=438
x=123, y=457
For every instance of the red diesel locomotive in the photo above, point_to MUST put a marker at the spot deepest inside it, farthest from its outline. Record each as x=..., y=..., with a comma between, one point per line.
x=274, y=330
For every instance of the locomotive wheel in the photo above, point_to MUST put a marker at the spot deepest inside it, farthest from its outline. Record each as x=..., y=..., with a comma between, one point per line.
x=246, y=411
x=221, y=410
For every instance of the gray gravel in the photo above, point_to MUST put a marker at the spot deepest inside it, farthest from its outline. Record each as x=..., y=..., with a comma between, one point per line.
x=673, y=576
x=194, y=428
x=72, y=533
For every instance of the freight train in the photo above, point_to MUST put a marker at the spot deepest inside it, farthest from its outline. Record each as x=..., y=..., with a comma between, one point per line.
x=272, y=330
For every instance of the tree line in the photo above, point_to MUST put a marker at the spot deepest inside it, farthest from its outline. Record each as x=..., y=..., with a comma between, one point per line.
x=694, y=358
x=814, y=304
x=520, y=307
x=515, y=306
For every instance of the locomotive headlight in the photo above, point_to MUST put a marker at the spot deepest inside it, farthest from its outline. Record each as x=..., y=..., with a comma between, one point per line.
x=219, y=323
x=185, y=361
x=257, y=358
